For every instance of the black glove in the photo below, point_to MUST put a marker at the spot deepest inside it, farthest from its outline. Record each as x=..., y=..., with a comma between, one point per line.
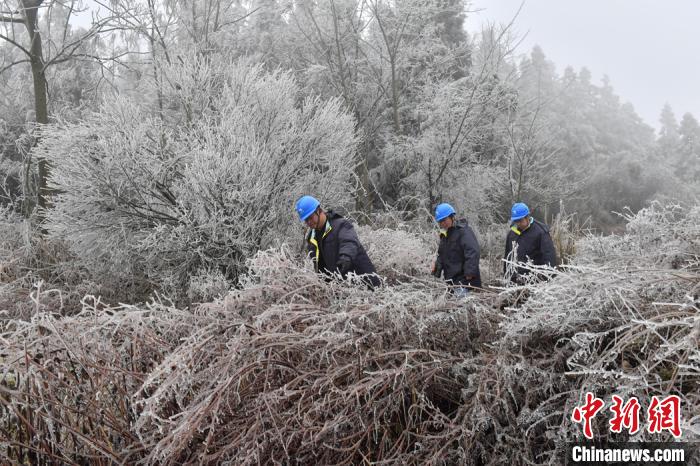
x=344, y=265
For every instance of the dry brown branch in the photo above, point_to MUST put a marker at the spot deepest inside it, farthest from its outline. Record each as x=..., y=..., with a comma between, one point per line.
x=294, y=369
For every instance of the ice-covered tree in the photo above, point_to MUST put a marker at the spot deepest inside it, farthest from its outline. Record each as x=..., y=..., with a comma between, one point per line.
x=158, y=195
x=688, y=164
x=42, y=34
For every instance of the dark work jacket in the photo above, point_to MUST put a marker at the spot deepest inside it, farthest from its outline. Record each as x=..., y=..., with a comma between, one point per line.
x=534, y=244
x=458, y=255
x=340, y=240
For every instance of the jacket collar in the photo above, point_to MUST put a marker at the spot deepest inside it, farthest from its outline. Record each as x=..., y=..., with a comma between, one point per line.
x=325, y=231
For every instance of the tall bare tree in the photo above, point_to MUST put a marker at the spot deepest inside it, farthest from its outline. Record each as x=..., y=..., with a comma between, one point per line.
x=27, y=15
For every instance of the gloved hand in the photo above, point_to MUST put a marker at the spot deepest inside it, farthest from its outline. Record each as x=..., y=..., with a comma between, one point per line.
x=344, y=265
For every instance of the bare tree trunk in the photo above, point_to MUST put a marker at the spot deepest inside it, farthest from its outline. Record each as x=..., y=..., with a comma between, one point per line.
x=395, y=96
x=363, y=195
x=36, y=60
x=27, y=14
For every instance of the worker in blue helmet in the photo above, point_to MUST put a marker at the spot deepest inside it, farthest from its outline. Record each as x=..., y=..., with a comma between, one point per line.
x=532, y=242
x=458, y=252
x=332, y=243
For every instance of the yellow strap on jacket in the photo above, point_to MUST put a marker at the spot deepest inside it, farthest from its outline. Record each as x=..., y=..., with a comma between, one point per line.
x=312, y=239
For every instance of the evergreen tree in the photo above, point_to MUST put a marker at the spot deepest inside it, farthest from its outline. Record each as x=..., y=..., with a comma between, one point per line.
x=668, y=134
x=688, y=162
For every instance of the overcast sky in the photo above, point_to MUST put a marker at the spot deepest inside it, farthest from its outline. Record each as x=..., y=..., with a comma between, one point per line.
x=650, y=49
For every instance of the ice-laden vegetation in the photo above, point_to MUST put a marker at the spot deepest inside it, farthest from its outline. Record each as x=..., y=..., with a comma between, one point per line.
x=292, y=369
x=161, y=201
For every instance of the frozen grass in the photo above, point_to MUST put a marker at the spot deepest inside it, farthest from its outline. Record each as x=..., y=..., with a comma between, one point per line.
x=292, y=369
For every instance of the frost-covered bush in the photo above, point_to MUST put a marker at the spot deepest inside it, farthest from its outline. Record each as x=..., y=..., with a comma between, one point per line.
x=84, y=374
x=151, y=196
x=492, y=240
x=13, y=240
x=665, y=236
x=207, y=285
x=399, y=254
x=36, y=273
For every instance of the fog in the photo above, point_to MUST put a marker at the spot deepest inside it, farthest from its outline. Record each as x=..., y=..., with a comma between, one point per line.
x=649, y=49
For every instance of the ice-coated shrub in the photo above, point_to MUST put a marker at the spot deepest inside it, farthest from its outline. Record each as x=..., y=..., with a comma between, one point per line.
x=492, y=240
x=399, y=254
x=664, y=235
x=206, y=285
x=150, y=194
x=12, y=243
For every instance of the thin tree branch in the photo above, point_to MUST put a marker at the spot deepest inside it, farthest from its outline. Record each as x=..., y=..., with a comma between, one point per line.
x=26, y=52
x=11, y=19
x=7, y=67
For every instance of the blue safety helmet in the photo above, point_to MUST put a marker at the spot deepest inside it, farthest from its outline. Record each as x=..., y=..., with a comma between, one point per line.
x=518, y=211
x=306, y=206
x=442, y=211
